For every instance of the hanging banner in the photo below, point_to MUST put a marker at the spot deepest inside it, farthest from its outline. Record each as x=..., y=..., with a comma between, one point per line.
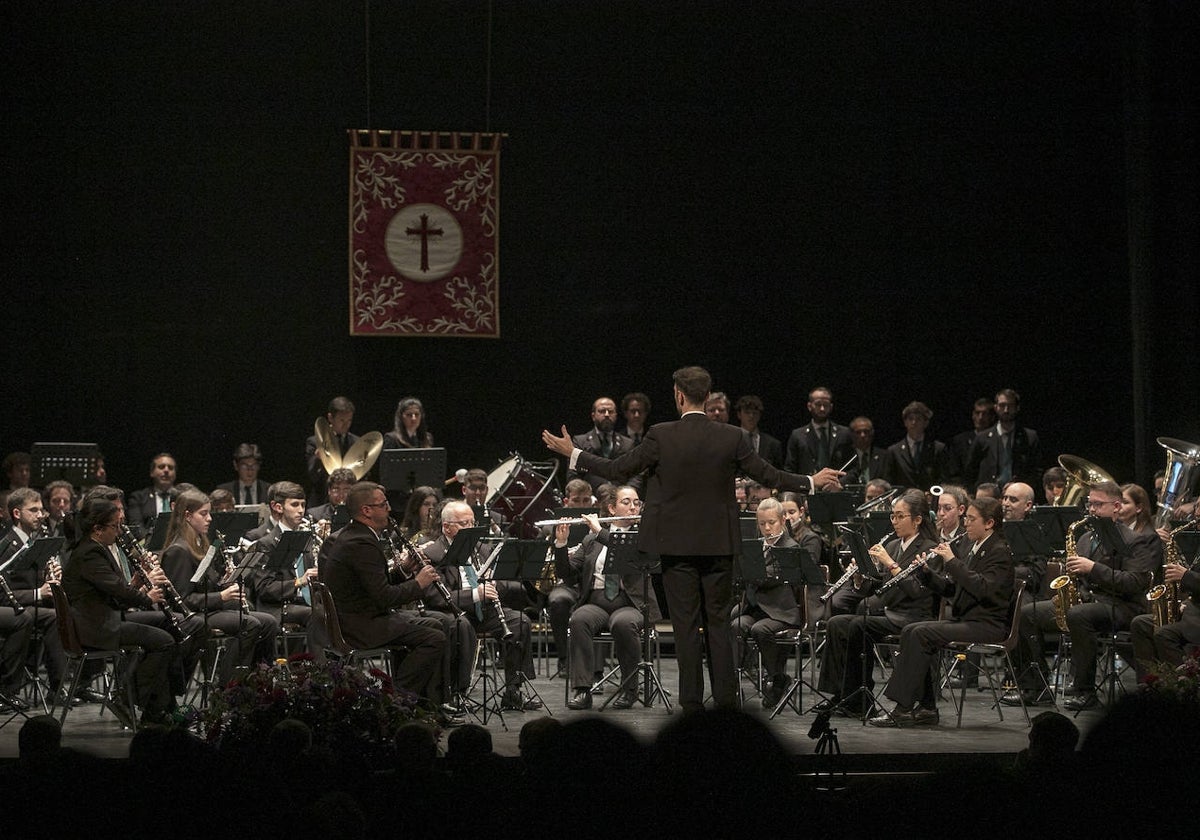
x=424, y=234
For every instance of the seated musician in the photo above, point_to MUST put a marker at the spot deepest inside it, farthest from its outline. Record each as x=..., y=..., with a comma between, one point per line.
x=32, y=586
x=59, y=500
x=846, y=663
x=1017, y=503
x=287, y=596
x=1117, y=589
x=564, y=596
x=224, y=604
x=479, y=602
x=354, y=566
x=769, y=606
x=420, y=519
x=1168, y=644
x=340, y=482
x=98, y=594
x=608, y=600
x=845, y=599
x=980, y=587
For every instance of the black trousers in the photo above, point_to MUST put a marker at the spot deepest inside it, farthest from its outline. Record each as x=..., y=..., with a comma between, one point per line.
x=699, y=595
x=620, y=617
x=15, y=630
x=912, y=677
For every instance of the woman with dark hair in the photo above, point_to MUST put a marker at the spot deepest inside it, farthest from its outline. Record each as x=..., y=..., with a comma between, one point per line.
x=420, y=520
x=187, y=543
x=99, y=595
x=409, y=431
x=1135, y=509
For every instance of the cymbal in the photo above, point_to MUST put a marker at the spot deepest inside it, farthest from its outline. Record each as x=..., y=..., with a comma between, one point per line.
x=330, y=459
x=363, y=454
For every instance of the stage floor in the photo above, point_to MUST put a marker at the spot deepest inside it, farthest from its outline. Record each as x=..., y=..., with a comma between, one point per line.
x=982, y=731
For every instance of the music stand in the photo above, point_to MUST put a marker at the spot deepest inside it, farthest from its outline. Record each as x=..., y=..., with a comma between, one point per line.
x=520, y=561
x=878, y=525
x=1055, y=520
x=281, y=561
x=158, y=535
x=1027, y=539
x=407, y=469
x=233, y=524
x=828, y=508
x=624, y=558
x=1108, y=537
x=748, y=526
x=1189, y=545
x=459, y=554
x=73, y=462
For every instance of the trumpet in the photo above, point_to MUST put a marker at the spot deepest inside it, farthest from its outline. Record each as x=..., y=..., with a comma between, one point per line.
x=579, y=520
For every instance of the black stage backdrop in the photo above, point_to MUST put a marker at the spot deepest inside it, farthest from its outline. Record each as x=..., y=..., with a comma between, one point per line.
x=901, y=203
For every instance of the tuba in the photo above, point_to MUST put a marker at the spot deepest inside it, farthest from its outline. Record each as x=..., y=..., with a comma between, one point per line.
x=1183, y=458
x=359, y=458
x=1081, y=475
x=1066, y=591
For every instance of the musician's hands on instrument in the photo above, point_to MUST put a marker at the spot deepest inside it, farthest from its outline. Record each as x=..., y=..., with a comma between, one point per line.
x=1079, y=565
x=489, y=591
x=426, y=575
x=44, y=592
x=882, y=558
x=158, y=577
x=408, y=561
x=826, y=479
x=944, y=551
x=1173, y=572
x=561, y=445
x=156, y=596
x=231, y=593
x=308, y=577
x=593, y=522
x=561, y=534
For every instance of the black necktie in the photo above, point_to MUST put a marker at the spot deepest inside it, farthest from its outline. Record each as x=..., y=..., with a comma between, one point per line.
x=823, y=447
x=605, y=445
x=248, y=495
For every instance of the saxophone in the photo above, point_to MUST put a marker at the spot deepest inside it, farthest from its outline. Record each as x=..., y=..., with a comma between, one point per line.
x=1163, y=600
x=1066, y=590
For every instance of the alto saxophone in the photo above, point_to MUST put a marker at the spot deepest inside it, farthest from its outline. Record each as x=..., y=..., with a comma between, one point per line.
x=1164, y=601
x=1066, y=592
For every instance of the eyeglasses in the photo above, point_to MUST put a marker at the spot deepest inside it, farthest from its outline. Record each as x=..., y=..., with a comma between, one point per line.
x=971, y=518
x=894, y=516
x=468, y=523
x=1099, y=504
x=384, y=504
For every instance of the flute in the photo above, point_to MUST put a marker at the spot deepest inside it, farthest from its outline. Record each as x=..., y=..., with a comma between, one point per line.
x=579, y=520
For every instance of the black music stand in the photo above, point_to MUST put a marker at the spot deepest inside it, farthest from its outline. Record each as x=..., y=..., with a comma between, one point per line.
x=407, y=469
x=1054, y=521
x=281, y=562
x=233, y=524
x=748, y=526
x=459, y=554
x=520, y=561
x=73, y=462
x=828, y=508
x=157, y=538
x=1189, y=546
x=878, y=525
x=626, y=559
x=200, y=578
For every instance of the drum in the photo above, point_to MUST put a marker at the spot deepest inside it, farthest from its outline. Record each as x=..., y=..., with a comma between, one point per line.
x=523, y=494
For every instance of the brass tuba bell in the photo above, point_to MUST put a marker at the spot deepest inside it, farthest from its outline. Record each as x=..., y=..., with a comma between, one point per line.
x=1182, y=461
x=1081, y=475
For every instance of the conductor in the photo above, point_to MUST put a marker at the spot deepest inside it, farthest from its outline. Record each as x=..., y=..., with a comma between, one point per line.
x=690, y=521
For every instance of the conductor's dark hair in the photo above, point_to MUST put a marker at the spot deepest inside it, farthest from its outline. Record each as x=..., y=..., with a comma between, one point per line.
x=693, y=382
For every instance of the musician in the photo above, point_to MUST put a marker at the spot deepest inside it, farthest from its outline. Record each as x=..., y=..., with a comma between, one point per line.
x=769, y=606
x=820, y=444
x=1017, y=504
x=144, y=505
x=691, y=521
x=223, y=501
x=870, y=461
x=339, y=414
x=478, y=601
x=339, y=484
x=1118, y=590
x=99, y=594
x=17, y=467
x=717, y=407
x=252, y=632
x=749, y=412
x=58, y=497
x=563, y=597
x=795, y=517
x=354, y=567
x=1054, y=484
x=247, y=488
x=475, y=492
x=409, y=430
x=1006, y=452
x=846, y=664
x=635, y=407
x=1168, y=644
x=287, y=597
x=979, y=587
x=951, y=508
x=15, y=630
x=983, y=417
x=602, y=440
x=917, y=461
x=420, y=520
x=32, y=586
x=1135, y=509
x=608, y=600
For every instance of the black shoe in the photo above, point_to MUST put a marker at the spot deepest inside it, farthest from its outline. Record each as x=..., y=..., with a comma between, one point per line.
x=89, y=695
x=898, y=717
x=580, y=700
x=626, y=699
x=770, y=696
x=925, y=717
x=513, y=702
x=61, y=699
x=1013, y=697
x=956, y=682
x=830, y=705
x=1082, y=702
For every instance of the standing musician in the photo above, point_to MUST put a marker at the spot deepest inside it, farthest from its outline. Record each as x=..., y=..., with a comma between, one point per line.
x=187, y=543
x=602, y=440
x=980, y=587
x=355, y=568
x=409, y=430
x=340, y=414
x=479, y=602
x=1168, y=644
x=820, y=444
x=852, y=636
x=24, y=507
x=769, y=606
x=99, y=594
x=691, y=522
x=608, y=600
x=1118, y=590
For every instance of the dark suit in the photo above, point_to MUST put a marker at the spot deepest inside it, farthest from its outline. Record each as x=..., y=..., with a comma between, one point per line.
x=903, y=471
x=803, y=443
x=590, y=442
x=960, y=454
x=142, y=508
x=596, y=612
x=98, y=593
x=851, y=636
x=25, y=585
x=1118, y=588
x=867, y=466
x=318, y=478
x=769, y=448
x=690, y=519
x=235, y=488
x=278, y=595
x=354, y=568
x=769, y=606
x=1168, y=643
x=981, y=587
x=984, y=463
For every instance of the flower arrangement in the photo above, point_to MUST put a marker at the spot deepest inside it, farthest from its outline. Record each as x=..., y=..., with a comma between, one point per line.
x=1181, y=682
x=339, y=702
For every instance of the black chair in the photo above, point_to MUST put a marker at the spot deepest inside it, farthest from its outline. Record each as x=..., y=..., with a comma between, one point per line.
x=337, y=646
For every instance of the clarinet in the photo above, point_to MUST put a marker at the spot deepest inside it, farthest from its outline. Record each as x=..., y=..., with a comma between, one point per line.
x=495, y=601
x=17, y=608
x=394, y=535
x=172, y=606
